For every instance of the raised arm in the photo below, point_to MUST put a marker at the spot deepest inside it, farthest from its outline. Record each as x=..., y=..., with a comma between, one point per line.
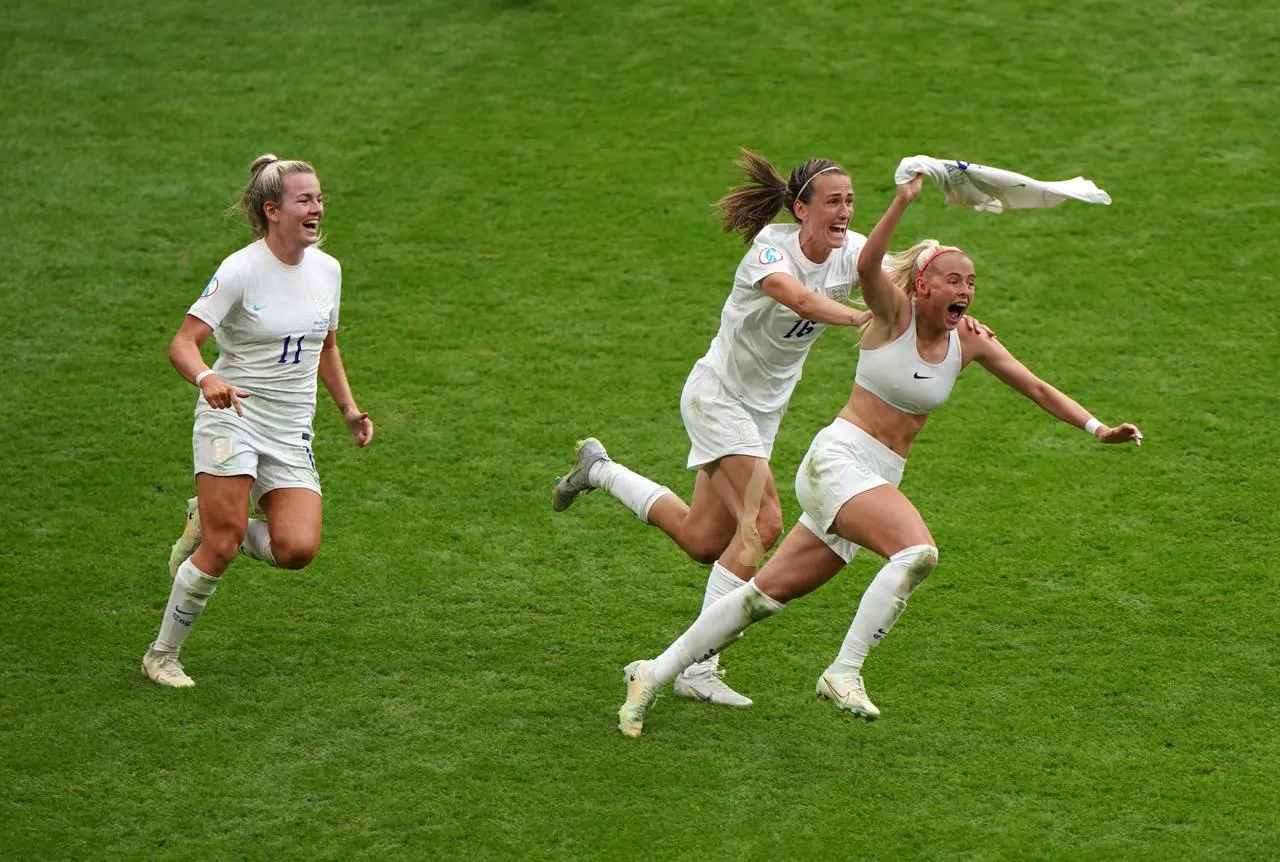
x=819, y=308
x=996, y=358
x=885, y=301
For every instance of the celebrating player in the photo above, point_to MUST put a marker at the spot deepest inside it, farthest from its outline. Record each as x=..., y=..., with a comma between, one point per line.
x=912, y=351
x=791, y=284
x=273, y=310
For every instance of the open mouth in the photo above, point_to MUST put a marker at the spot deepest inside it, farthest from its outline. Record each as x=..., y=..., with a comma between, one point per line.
x=837, y=231
x=312, y=224
x=956, y=310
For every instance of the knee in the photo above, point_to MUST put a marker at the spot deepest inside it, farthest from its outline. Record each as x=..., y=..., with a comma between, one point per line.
x=919, y=561
x=292, y=553
x=769, y=524
x=703, y=550
x=223, y=543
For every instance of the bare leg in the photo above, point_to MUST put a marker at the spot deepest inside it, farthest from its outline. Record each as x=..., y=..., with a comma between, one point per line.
x=294, y=521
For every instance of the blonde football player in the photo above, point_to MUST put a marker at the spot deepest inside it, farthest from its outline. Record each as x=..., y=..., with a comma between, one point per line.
x=273, y=309
x=791, y=284
x=911, y=353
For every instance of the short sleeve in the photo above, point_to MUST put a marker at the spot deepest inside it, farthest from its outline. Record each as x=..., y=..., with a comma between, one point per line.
x=223, y=292
x=337, y=300
x=763, y=260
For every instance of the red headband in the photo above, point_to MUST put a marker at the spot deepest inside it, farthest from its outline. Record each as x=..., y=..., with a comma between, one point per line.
x=941, y=251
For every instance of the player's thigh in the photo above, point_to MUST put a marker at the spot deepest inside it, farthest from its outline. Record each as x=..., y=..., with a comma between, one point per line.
x=801, y=564
x=745, y=484
x=224, y=505
x=708, y=512
x=294, y=520
x=883, y=520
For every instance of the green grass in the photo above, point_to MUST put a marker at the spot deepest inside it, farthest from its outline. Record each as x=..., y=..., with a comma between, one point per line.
x=519, y=193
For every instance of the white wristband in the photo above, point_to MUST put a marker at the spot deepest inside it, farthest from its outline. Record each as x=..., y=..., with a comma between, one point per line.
x=203, y=374
x=1092, y=426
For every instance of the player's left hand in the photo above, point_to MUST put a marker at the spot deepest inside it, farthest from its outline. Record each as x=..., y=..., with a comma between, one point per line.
x=360, y=426
x=1120, y=434
x=978, y=328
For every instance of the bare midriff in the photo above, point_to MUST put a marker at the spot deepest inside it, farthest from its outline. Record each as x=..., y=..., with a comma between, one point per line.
x=891, y=426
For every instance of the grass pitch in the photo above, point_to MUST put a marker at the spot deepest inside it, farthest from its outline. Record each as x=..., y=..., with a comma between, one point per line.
x=519, y=193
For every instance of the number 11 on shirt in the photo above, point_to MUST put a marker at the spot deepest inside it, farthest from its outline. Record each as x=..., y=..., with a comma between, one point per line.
x=297, y=352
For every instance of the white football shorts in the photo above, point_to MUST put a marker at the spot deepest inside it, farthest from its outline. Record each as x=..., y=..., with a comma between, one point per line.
x=720, y=425
x=224, y=444
x=843, y=461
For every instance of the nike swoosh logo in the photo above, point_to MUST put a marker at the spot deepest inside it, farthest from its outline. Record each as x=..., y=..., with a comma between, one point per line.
x=184, y=613
x=918, y=377
x=259, y=307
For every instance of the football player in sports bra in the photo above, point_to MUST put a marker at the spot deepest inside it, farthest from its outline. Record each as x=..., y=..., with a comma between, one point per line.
x=273, y=309
x=911, y=353
x=791, y=284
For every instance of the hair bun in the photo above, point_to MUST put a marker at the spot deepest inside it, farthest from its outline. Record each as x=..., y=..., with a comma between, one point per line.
x=261, y=162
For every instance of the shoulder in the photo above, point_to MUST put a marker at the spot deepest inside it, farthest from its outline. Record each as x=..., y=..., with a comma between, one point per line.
x=776, y=235
x=774, y=245
x=323, y=260
x=973, y=345
x=853, y=243
x=242, y=259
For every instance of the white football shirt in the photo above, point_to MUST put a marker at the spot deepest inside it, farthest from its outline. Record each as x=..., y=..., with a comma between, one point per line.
x=761, y=346
x=269, y=320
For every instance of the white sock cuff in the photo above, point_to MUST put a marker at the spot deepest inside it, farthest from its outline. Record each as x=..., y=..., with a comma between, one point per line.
x=722, y=581
x=194, y=581
x=654, y=496
x=763, y=602
x=923, y=553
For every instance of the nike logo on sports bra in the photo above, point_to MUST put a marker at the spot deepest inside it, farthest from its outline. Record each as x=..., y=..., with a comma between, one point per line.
x=919, y=376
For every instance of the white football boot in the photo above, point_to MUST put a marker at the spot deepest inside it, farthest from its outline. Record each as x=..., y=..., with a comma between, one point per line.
x=189, y=540
x=640, y=697
x=163, y=668
x=577, y=481
x=846, y=691
x=705, y=682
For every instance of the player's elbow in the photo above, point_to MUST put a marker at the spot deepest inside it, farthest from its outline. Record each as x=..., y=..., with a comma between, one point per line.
x=180, y=344
x=802, y=304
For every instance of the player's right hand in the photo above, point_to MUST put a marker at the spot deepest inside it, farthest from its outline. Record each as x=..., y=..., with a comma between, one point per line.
x=910, y=190
x=220, y=394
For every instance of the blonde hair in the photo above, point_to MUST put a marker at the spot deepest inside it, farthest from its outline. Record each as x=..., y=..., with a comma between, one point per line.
x=749, y=207
x=906, y=266
x=266, y=183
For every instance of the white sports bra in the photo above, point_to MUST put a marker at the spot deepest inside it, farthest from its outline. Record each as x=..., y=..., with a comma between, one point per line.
x=897, y=375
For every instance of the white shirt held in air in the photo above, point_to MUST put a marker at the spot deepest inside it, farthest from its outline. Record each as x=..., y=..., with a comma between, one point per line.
x=270, y=320
x=760, y=349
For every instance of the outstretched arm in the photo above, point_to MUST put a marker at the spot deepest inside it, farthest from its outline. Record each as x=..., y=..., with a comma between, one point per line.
x=817, y=307
x=885, y=300
x=995, y=357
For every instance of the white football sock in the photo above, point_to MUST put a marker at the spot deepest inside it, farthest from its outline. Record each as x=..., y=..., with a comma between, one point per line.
x=634, y=491
x=257, y=542
x=882, y=604
x=720, y=583
x=191, y=589
x=714, y=627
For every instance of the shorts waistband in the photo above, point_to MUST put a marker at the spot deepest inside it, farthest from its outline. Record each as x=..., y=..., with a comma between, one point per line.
x=848, y=429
